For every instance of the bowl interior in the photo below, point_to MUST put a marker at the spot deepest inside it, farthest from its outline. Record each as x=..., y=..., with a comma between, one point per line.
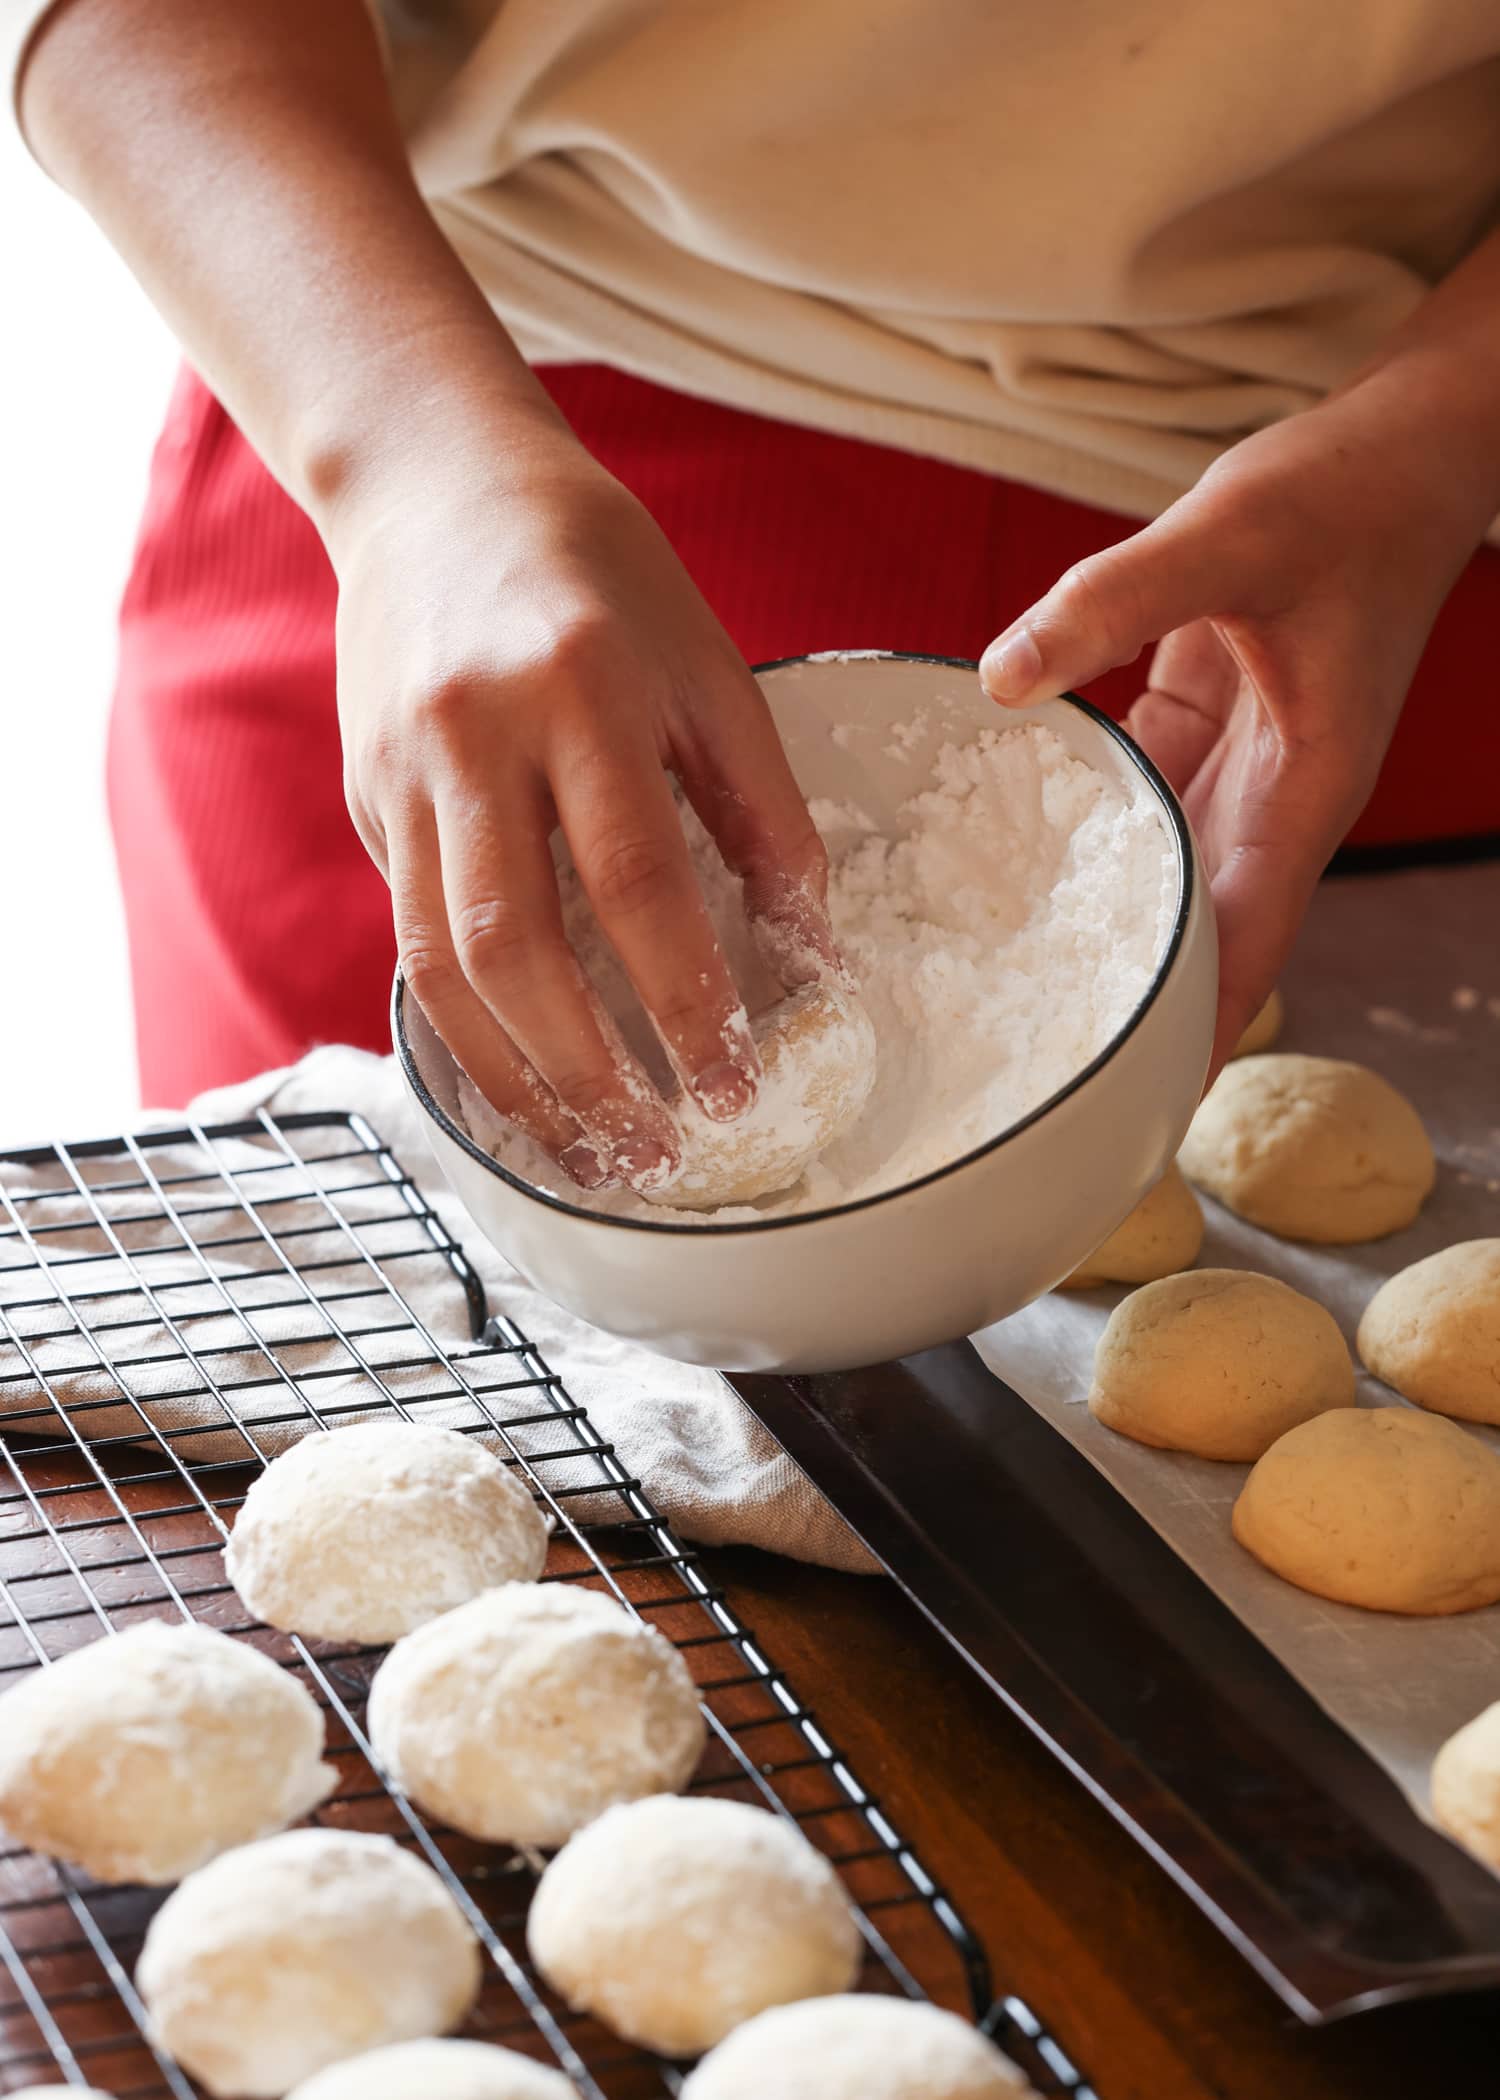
x=862, y=729
x=866, y=729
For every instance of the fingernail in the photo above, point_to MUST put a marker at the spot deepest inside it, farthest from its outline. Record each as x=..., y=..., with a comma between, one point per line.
x=724, y=1091
x=796, y=941
x=1011, y=666
x=581, y=1163
x=643, y=1163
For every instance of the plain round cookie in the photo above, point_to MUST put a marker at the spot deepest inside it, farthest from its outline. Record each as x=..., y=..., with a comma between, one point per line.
x=1466, y=1786
x=817, y=1049
x=364, y=1534
x=1162, y=1235
x=1262, y=1032
x=674, y=1919
x=521, y=1716
x=1219, y=1362
x=1433, y=1332
x=857, y=2048
x=1311, y=1148
x=438, y=2071
x=146, y=1753
x=1381, y=1507
x=287, y=1956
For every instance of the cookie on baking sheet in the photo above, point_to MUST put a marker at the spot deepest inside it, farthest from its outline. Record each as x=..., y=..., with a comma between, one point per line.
x=1466, y=1786
x=1311, y=1148
x=1433, y=1332
x=1218, y=1362
x=1263, y=1030
x=1382, y=1507
x=1162, y=1235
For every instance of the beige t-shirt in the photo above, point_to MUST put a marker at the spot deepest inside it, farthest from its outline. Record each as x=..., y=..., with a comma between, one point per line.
x=1086, y=243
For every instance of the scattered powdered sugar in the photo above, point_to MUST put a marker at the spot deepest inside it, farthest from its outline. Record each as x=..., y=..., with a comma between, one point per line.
x=999, y=943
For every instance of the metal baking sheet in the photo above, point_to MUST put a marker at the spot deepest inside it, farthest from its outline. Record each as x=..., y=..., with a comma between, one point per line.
x=1272, y=1757
x=1287, y=1834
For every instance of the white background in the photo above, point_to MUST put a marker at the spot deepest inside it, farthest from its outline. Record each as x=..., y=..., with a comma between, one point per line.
x=85, y=367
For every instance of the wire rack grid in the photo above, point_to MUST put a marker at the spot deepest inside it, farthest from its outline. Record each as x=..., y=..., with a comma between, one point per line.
x=175, y=1307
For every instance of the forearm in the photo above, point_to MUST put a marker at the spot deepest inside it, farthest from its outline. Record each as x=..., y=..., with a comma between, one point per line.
x=247, y=164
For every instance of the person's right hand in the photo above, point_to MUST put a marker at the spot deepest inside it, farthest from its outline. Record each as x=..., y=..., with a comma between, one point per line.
x=520, y=651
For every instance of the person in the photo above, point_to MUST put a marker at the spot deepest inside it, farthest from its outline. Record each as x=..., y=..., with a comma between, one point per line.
x=899, y=324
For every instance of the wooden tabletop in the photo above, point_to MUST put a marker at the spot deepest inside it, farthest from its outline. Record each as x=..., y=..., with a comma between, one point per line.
x=1146, y=1997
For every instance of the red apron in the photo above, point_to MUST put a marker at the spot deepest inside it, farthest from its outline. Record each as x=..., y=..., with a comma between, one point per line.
x=259, y=928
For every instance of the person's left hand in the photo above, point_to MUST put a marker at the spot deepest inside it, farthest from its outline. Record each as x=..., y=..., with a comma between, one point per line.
x=1291, y=593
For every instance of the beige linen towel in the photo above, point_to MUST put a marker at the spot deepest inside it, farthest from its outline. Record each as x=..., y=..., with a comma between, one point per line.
x=712, y=1470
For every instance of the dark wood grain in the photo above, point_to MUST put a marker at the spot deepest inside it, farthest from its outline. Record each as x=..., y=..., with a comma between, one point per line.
x=1083, y=1620
x=1076, y=1919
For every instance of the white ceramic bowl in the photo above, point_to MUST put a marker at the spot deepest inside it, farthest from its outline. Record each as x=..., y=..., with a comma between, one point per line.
x=940, y=1257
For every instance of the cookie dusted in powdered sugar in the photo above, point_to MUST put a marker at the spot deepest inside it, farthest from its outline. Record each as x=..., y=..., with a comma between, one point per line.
x=817, y=1051
x=528, y=1712
x=438, y=2071
x=857, y=2048
x=735, y=1910
x=60, y=2092
x=364, y=1534
x=288, y=1956
x=144, y=1754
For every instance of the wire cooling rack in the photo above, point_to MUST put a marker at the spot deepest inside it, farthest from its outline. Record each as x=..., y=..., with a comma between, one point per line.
x=174, y=1308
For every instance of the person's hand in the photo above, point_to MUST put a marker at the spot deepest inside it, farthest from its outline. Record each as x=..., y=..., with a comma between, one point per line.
x=521, y=651
x=1291, y=593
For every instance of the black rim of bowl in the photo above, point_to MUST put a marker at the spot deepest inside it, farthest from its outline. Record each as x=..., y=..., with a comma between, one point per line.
x=1187, y=874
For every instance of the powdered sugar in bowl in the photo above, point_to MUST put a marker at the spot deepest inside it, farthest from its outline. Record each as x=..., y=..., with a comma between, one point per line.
x=1020, y=898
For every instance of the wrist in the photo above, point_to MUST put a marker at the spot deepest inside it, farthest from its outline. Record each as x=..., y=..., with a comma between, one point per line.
x=444, y=407
x=1433, y=411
